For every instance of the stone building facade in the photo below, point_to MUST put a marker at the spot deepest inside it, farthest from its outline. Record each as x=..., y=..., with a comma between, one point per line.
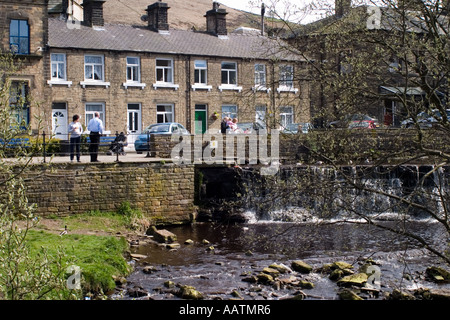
x=24, y=32
x=135, y=76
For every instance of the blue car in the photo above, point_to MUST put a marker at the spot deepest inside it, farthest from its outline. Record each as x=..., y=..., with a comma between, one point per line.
x=141, y=144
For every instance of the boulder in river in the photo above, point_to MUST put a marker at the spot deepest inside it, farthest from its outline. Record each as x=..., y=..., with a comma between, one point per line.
x=189, y=292
x=438, y=274
x=162, y=236
x=357, y=279
x=347, y=294
x=280, y=267
x=301, y=266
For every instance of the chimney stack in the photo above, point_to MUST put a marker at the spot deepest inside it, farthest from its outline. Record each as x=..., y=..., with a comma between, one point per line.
x=93, y=13
x=342, y=7
x=158, y=17
x=216, y=21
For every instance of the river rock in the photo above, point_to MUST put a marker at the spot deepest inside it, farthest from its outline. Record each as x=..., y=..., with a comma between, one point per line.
x=137, y=256
x=137, y=292
x=264, y=278
x=172, y=246
x=189, y=241
x=357, y=279
x=347, y=294
x=162, y=236
x=301, y=266
x=438, y=274
x=401, y=295
x=189, y=292
x=169, y=284
x=280, y=267
x=341, y=265
x=306, y=284
x=336, y=274
x=271, y=271
x=149, y=269
x=440, y=294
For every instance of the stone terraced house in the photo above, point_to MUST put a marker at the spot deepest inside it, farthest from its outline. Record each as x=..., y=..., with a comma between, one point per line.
x=139, y=75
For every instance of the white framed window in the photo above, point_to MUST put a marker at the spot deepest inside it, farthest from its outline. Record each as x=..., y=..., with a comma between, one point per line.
x=260, y=78
x=260, y=75
x=93, y=68
x=286, y=83
x=229, y=111
x=200, y=72
x=164, y=113
x=201, y=75
x=286, y=116
x=164, y=74
x=164, y=70
x=286, y=76
x=229, y=76
x=91, y=108
x=133, y=73
x=94, y=71
x=58, y=67
x=133, y=69
x=229, y=73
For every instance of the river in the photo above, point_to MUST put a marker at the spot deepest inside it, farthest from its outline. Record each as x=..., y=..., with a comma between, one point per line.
x=242, y=249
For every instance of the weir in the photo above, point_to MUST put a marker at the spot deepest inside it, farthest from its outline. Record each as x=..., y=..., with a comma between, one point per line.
x=306, y=193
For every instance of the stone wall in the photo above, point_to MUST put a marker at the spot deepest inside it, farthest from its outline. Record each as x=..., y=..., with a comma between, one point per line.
x=163, y=192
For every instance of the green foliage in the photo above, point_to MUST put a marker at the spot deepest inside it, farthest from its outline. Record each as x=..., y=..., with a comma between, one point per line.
x=99, y=257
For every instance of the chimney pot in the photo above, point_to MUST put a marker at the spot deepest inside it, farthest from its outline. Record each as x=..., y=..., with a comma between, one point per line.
x=93, y=12
x=158, y=16
x=342, y=7
x=216, y=21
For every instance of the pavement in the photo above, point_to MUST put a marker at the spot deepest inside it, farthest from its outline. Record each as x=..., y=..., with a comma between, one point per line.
x=130, y=156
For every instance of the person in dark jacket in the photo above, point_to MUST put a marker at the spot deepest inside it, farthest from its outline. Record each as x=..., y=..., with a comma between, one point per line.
x=224, y=125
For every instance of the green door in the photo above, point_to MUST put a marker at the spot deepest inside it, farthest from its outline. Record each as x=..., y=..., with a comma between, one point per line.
x=200, y=121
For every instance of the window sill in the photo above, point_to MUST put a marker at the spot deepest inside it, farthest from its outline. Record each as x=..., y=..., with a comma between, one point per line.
x=95, y=83
x=134, y=85
x=229, y=87
x=199, y=86
x=165, y=85
x=287, y=89
x=261, y=88
x=59, y=82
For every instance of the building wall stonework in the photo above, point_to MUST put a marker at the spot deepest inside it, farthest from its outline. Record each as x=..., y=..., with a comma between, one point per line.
x=184, y=98
x=164, y=193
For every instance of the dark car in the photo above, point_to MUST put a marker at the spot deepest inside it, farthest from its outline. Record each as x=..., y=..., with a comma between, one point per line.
x=426, y=120
x=141, y=143
x=356, y=121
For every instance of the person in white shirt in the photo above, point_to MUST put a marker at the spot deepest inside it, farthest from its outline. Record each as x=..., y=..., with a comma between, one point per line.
x=75, y=131
x=95, y=126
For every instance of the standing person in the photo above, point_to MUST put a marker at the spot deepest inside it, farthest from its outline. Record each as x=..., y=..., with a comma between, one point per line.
x=75, y=130
x=224, y=125
x=95, y=126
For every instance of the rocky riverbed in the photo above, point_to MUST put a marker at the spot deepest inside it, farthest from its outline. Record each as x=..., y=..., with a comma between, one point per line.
x=279, y=261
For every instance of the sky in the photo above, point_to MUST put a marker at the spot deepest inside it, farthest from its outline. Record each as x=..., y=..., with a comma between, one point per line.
x=288, y=8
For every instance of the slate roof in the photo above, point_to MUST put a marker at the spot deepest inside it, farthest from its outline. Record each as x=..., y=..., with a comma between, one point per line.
x=129, y=38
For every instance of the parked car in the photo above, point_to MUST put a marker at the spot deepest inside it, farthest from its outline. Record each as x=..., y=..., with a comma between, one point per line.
x=293, y=128
x=425, y=120
x=142, y=144
x=356, y=121
x=248, y=127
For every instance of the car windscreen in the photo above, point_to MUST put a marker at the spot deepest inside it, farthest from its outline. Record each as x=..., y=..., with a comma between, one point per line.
x=158, y=129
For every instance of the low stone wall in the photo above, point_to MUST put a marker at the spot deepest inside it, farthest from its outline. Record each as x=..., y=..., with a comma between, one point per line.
x=163, y=192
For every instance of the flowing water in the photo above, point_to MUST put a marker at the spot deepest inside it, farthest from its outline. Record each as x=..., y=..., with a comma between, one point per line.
x=243, y=249
x=297, y=229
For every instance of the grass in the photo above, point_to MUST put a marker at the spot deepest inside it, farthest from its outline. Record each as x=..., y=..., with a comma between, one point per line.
x=99, y=257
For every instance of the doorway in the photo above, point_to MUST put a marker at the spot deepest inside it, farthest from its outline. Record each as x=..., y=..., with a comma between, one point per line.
x=200, y=119
x=133, y=122
x=60, y=120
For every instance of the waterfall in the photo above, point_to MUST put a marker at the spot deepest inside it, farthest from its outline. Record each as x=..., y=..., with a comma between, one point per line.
x=315, y=193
